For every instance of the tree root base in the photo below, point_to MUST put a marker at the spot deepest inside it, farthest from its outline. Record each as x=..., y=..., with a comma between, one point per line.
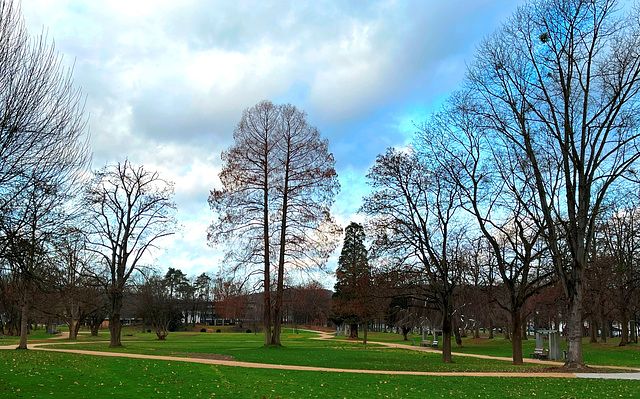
x=575, y=366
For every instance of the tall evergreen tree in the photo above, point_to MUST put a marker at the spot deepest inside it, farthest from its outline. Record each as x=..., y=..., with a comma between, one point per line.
x=353, y=278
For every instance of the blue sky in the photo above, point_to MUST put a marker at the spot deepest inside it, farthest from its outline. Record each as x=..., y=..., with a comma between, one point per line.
x=166, y=82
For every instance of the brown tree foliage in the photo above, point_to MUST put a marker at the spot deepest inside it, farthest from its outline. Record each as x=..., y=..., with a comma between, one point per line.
x=278, y=183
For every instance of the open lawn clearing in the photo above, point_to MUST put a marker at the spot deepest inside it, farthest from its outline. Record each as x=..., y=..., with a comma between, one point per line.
x=304, y=349
x=36, y=374
x=299, y=350
x=603, y=354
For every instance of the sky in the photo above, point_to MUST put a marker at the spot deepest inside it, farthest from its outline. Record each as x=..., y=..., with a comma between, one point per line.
x=166, y=83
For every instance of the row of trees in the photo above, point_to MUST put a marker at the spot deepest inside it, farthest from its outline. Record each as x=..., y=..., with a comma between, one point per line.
x=370, y=295
x=307, y=304
x=86, y=267
x=66, y=231
x=528, y=160
x=60, y=225
x=162, y=302
x=525, y=164
x=43, y=153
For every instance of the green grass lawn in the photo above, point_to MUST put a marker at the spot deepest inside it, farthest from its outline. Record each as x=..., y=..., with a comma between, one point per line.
x=33, y=374
x=37, y=336
x=36, y=374
x=603, y=354
x=298, y=349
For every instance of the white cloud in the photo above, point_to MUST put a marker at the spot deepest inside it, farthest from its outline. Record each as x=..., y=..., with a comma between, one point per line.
x=167, y=81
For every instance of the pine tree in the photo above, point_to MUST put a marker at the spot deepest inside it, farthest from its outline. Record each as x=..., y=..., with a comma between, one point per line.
x=353, y=278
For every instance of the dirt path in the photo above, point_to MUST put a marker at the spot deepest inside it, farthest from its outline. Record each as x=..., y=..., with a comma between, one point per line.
x=328, y=336
x=63, y=335
x=553, y=363
x=296, y=368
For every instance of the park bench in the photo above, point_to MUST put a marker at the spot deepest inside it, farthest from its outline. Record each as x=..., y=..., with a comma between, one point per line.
x=425, y=343
x=434, y=344
x=539, y=353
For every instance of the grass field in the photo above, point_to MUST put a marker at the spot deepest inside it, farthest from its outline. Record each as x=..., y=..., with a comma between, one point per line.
x=35, y=374
x=33, y=337
x=32, y=374
x=299, y=350
x=604, y=354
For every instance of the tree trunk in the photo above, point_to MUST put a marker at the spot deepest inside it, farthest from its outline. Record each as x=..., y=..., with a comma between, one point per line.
x=624, y=324
x=446, y=335
x=76, y=329
x=490, y=328
x=516, y=337
x=457, y=334
x=277, y=313
x=365, y=329
x=73, y=323
x=603, y=334
x=24, y=325
x=267, y=309
x=405, y=333
x=476, y=331
x=574, y=330
x=74, y=326
x=593, y=331
x=115, y=325
x=267, y=264
x=353, y=331
x=277, y=327
x=115, y=329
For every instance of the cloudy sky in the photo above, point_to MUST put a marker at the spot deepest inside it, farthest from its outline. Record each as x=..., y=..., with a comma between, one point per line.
x=166, y=82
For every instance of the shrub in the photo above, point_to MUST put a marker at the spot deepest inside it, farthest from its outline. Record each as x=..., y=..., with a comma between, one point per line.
x=248, y=331
x=203, y=330
x=218, y=330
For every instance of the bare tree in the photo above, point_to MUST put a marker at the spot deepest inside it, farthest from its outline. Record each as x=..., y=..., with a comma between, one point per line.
x=230, y=298
x=76, y=296
x=560, y=82
x=278, y=185
x=311, y=304
x=156, y=306
x=129, y=211
x=41, y=113
x=244, y=205
x=43, y=150
x=620, y=236
x=415, y=223
x=496, y=188
x=306, y=190
x=26, y=237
